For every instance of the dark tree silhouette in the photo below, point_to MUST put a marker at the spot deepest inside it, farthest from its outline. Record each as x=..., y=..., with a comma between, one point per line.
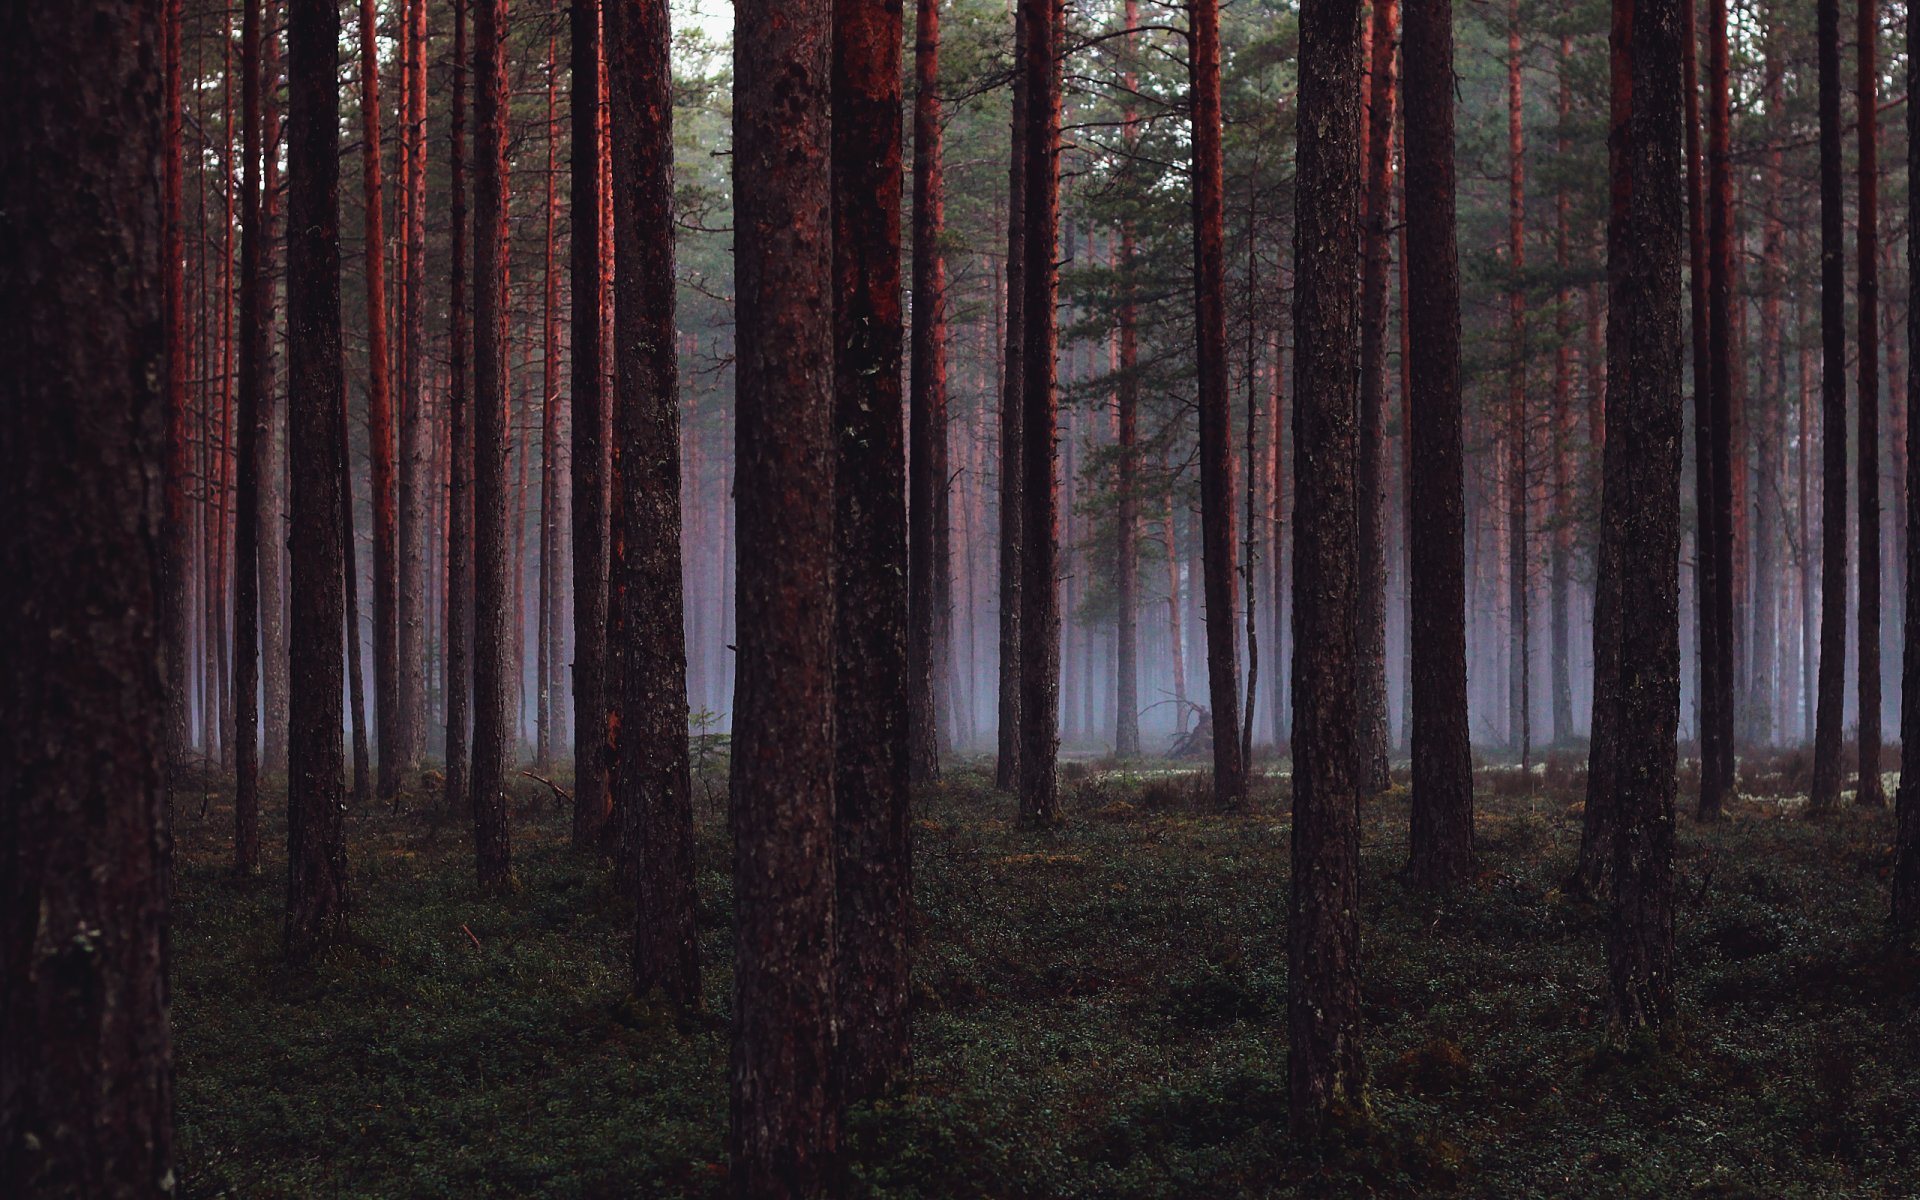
x=86, y=1079
x=1833, y=424
x=1326, y=1072
x=1216, y=419
x=1906, y=861
x=492, y=725
x=176, y=469
x=871, y=831
x=256, y=379
x=1870, y=792
x=928, y=591
x=1006, y=771
x=1641, y=508
x=316, y=804
x=1441, y=823
x=1126, y=728
x=652, y=794
x=785, y=1129
x=459, y=622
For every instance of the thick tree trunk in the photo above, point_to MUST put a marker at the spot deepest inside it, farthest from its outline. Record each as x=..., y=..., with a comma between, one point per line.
x=1040, y=496
x=1871, y=793
x=1644, y=435
x=256, y=381
x=1441, y=823
x=380, y=425
x=1370, y=612
x=1906, y=858
x=459, y=632
x=1326, y=1071
x=316, y=827
x=1216, y=420
x=590, y=756
x=1833, y=424
x=872, y=850
x=652, y=792
x=492, y=585
x=785, y=1130
x=927, y=515
x=1012, y=424
x=86, y=1078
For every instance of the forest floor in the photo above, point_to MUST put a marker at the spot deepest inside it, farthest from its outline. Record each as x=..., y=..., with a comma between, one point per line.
x=1100, y=1012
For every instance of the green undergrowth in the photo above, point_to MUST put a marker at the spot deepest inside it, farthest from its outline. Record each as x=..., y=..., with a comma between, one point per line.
x=1100, y=1012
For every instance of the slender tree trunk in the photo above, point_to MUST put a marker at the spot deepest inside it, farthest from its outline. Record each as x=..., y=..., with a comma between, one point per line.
x=590, y=758
x=1326, y=1070
x=1176, y=635
x=176, y=531
x=785, y=1133
x=317, y=898
x=1519, y=562
x=86, y=1102
x=256, y=380
x=1370, y=613
x=1645, y=431
x=380, y=424
x=1722, y=381
x=271, y=532
x=927, y=558
x=1012, y=439
x=1040, y=497
x=1769, y=523
x=1561, y=428
x=1708, y=692
x=492, y=586
x=1906, y=858
x=549, y=441
x=1871, y=794
x=1833, y=424
x=871, y=829
x=460, y=443
x=1216, y=420
x=415, y=423
x=1441, y=831
x=356, y=681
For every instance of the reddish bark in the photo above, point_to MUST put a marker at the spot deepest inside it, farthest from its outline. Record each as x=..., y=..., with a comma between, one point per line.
x=590, y=758
x=86, y=1080
x=1370, y=616
x=927, y=581
x=1216, y=421
x=1519, y=563
x=871, y=831
x=415, y=475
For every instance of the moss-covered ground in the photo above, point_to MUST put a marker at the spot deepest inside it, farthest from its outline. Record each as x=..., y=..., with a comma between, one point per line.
x=1100, y=1012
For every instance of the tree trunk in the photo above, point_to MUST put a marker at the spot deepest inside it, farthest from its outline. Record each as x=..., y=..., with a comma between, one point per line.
x=1441, y=823
x=872, y=859
x=1560, y=429
x=175, y=470
x=1906, y=859
x=415, y=425
x=1519, y=564
x=652, y=792
x=1326, y=1071
x=256, y=380
x=785, y=1133
x=316, y=826
x=271, y=527
x=1216, y=421
x=1644, y=436
x=548, y=601
x=380, y=426
x=1012, y=439
x=1706, y=512
x=1867, y=31
x=1040, y=496
x=927, y=515
x=590, y=757
x=492, y=586
x=1126, y=729
x=1769, y=523
x=1370, y=612
x=1720, y=279
x=1833, y=424
x=460, y=445
x=86, y=1106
